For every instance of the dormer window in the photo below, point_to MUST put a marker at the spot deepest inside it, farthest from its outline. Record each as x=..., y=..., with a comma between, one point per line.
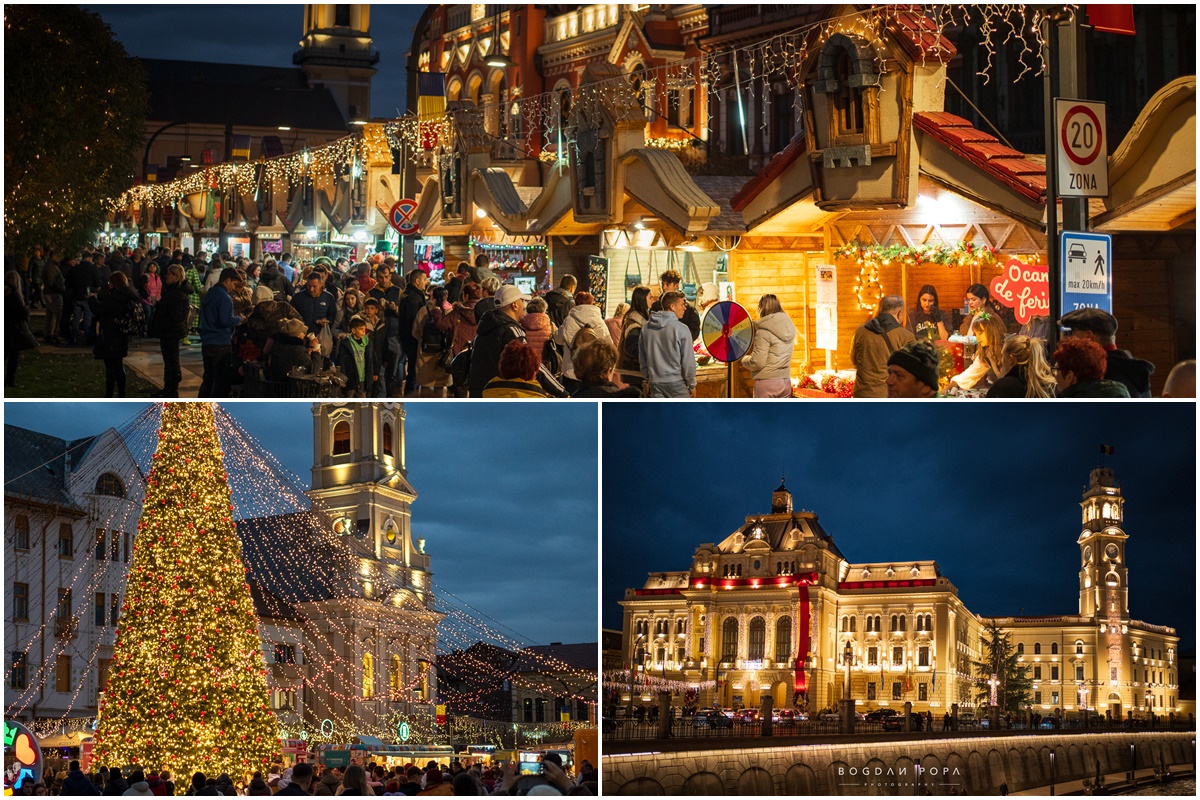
x=847, y=100
x=848, y=77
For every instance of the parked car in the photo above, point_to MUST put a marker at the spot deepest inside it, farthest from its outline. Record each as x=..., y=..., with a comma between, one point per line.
x=830, y=717
x=746, y=715
x=880, y=714
x=967, y=719
x=785, y=718
x=894, y=723
x=711, y=719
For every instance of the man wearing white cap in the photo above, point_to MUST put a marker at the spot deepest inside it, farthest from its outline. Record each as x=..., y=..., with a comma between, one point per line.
x=497, y=328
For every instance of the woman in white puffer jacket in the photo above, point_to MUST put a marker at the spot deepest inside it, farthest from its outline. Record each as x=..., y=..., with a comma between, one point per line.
x=770, y=356
x=585, y=314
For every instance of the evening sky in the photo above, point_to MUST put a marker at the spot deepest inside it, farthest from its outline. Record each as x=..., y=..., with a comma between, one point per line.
x=990, y=491
x=506, y=496
x=259, y=34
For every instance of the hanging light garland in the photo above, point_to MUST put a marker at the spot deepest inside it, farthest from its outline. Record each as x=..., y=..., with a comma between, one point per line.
x=870, y=258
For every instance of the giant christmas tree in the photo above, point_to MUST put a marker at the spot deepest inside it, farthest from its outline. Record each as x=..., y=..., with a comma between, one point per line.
x=187, y=688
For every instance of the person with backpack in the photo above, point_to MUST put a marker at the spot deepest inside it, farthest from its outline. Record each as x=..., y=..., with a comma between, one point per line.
x=357, y=361
x=433, y=329
x=118, y=309
x=583, y=325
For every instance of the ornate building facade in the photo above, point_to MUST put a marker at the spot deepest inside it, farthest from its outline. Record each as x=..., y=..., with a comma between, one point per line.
x=776, y=609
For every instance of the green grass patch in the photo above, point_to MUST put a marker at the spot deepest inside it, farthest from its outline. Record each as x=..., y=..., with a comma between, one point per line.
x=46, y=374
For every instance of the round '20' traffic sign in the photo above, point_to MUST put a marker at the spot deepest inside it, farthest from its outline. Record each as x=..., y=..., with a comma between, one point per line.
x=1082, y=135
x=403, y=217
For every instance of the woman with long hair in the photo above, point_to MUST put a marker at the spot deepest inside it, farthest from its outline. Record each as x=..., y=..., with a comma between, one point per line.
x=988, y=365
x=1028, y=374
x=629, y=366
x=927, y=320
x=979, y=300
x=770, y=356
x=354, y=782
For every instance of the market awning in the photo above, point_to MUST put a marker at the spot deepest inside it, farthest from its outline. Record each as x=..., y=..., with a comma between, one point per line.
x=64, y=740
x=657, y=180
x=369, y=741
x=1152, y=173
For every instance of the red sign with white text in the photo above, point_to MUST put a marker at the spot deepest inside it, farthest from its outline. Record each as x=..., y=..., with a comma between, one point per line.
x=1025, y=288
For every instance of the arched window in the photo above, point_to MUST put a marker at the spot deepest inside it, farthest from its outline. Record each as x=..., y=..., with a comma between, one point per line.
x=783, y=640
x=396, y=678
x=1037, y=648
x=853, y=624
x=368, y=685
x=903, y=624
x=1020, y=648
x=341, y=438
x=758, y=639
x=527, y=709
x=729, y=639
x=387, y=439
x=845, y=625
x=1078, y=648
x=1054, y=648
x=109, y=484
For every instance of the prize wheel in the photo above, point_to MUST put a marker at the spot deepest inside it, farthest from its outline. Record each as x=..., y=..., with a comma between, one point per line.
x=727, y=331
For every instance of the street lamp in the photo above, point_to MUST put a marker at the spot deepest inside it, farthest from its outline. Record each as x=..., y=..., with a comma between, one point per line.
x=634, y=652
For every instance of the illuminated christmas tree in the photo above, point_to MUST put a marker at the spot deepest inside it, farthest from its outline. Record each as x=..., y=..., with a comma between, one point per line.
x=187, y=688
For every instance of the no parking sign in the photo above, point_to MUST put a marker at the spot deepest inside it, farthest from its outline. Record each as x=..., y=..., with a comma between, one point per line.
x=403, y=217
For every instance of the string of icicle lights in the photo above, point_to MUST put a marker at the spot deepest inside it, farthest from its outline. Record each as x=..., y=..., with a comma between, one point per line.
x=293, y=557
x=760, y=65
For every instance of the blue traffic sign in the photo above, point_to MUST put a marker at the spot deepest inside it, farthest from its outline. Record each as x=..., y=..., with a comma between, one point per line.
x=1086, y=263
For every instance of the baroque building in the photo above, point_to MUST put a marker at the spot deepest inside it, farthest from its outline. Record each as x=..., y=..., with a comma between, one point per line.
x=775, y=609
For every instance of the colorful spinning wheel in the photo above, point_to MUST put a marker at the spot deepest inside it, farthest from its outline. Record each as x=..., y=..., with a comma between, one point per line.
x=727, y=331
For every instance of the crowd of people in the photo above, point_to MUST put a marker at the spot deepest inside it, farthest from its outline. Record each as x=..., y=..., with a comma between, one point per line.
x=894, y=354
x=364, y=330
x=304, y=779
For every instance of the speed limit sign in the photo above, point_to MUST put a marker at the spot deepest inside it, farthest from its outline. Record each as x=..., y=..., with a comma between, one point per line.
x=1082, y=145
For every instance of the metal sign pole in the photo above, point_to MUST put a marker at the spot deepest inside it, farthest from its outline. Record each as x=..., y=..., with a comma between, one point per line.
x=1052, y=257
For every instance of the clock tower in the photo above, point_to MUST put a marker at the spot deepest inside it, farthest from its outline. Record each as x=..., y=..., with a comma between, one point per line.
x=360, y=477
x=1103, y=587
x=337, y=52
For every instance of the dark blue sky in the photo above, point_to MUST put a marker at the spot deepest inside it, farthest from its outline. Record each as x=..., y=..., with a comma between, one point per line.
x=506, y=496
x=989, y=490
x=263, y=35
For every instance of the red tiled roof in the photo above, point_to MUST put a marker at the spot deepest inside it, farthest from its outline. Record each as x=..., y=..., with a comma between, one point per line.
x=1006, y=165
x=921, y=36
x=774, y=168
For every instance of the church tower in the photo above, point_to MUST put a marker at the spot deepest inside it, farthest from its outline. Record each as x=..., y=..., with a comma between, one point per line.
x=1103, y=585
x=781, y=500
x=337, y=51
x=359, y=475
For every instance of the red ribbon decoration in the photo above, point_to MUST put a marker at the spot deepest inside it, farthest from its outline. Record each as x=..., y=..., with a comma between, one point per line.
x=802, y=653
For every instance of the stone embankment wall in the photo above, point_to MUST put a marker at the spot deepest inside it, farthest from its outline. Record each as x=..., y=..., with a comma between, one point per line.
x=973, y=765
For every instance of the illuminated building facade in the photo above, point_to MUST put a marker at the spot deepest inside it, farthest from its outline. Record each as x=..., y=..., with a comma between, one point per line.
x=776, y=609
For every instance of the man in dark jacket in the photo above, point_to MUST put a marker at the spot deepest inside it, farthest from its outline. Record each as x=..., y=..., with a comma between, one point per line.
x=411, y=303
x=389, y=300
x=302, y=776
x=116, y=785
x=1099, y=326
x=217, y=324
x=83, y=279
x=497, y=328
x=77, y=783
x=560, y=301
x=316, y=306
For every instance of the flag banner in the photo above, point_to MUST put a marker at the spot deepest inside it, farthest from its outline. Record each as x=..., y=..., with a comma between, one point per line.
x=431, y=106
x=1106, y=449
x=241, y=148
x=802, y=652
x=1117, y=18
x=272, y=146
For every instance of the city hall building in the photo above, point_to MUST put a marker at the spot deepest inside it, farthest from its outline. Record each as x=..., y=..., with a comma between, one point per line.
x=776, y=609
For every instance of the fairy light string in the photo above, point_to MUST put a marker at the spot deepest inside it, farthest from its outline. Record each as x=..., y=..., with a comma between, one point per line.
x=539, y=118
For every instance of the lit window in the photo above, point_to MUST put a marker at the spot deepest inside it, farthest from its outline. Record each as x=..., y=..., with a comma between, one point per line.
x=387, y=439
x=368, y=683
x=341, y=438
x=109, y=484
